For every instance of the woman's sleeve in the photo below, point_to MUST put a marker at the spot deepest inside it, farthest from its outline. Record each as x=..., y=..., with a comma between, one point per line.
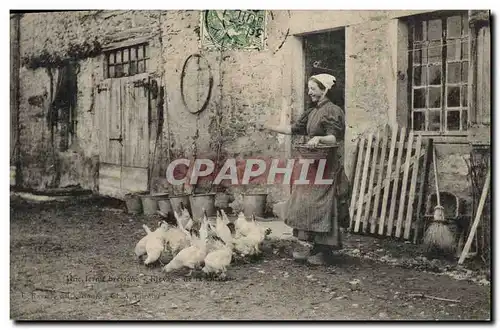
x=334, y=123
x=300, y=127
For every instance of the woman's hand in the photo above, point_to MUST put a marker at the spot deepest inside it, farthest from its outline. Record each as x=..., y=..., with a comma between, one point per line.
x=283, y=129
x=314, y=142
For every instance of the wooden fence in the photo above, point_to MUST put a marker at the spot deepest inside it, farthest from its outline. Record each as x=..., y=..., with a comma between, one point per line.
x=389, y=185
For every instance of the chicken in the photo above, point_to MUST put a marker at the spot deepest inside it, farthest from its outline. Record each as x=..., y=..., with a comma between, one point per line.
x=222, y=230
x=189, y=257
x=193, y=255
x=244, y=246
x=216, y=262
x=225, y=219
x=140, y=247
x=243, y=226
x=204, y=227
x=249, y=243
x=155, y=243
x=176, y=240
x=146, y=229
x=184, y=218
x=212, y=235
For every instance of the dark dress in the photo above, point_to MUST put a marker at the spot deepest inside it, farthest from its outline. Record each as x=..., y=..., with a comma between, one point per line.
x=316, y=212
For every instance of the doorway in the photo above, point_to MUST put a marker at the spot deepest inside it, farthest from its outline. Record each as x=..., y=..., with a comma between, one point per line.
x=123, y=109
x=327, y=49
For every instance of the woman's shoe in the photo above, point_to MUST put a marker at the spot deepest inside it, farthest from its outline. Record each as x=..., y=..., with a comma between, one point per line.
x=321, y=255
x=301, y=255
x=317, y=259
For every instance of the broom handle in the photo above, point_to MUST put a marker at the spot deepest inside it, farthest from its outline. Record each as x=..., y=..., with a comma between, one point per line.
x=435, y=176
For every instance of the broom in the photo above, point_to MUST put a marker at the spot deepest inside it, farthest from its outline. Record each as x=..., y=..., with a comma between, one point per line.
x=438, y=235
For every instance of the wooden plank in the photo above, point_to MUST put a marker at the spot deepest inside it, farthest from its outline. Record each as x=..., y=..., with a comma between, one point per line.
x=394, y=174
x=352, y=173
x=422, y=192
x=402, y=199
x=364, y=178
x=107, y=157
x=471, y=81
x=113, y=118
x=387, y=181
x=375, y=153
x=361, y=146
x=480, y=81
x=128, y=111
x=102, y=95
x=110, y=180
x=12, y=175
x=135, y=122
x=126, y=43
x=98, y=120
x=486, y=77
x=134, y=179
x=379, y=178
x=479, y=213
x=395, y=185
x=15, y=65
x=142, y=151
x=413, y=187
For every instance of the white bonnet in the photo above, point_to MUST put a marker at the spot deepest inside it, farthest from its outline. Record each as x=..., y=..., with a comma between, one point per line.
x=326, y=79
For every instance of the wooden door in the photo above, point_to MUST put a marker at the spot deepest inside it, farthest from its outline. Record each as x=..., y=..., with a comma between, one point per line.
x=110, y=137
x=135, y=116
x=122, y=113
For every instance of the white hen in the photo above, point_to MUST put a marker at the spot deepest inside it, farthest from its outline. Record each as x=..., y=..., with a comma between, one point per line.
x=184, y=218
x=225, y=219
x=243, y=226
x=222, y=230
x=216, y=262
x=248, y=240
x=155, y=243
x=193, y=255
x=140, y=247
x=176, y=240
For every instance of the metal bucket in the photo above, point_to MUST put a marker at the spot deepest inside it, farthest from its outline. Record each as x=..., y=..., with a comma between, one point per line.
x=134, y=204
x=165, y=206
x=200, y=202
x=254, y=204
x=175, y=202
x=150, y=203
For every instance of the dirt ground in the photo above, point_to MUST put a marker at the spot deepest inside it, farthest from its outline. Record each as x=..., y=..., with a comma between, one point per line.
x=75, y=261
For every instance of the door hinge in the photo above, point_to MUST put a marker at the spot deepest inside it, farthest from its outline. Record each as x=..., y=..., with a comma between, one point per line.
x=101, y=89
x=119, y=139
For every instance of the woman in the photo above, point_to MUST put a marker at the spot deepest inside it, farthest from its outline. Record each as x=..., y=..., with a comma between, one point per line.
x=316, y=212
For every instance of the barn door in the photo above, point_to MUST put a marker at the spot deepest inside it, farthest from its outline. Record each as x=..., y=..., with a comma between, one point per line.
x=123, y=124
x=135, y=123
x=110, y=137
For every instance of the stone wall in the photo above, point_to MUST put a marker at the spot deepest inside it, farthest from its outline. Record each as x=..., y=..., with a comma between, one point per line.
x=248, y=87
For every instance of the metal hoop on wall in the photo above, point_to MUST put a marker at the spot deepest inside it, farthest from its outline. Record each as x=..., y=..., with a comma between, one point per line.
x=210, y=84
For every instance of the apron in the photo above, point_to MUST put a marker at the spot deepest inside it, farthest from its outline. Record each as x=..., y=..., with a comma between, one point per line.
x=316, y=212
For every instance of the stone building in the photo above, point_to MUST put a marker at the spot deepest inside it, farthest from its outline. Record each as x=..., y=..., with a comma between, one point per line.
x=105, y=99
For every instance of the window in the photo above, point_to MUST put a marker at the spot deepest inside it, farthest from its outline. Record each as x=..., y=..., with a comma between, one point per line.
x=126, y=61
x=439, y=50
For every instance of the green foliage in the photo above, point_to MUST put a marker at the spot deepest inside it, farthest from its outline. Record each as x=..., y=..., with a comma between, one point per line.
x=59, y=59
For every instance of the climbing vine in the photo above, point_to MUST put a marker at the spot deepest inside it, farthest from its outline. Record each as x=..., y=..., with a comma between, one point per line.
x=60, y=58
